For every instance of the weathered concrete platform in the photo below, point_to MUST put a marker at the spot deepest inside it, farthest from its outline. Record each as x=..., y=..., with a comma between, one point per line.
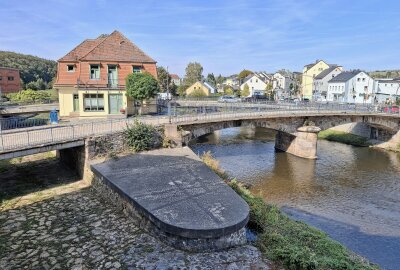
x=180, y=195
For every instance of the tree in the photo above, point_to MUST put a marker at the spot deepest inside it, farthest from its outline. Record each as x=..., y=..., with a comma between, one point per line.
x=220, y=79
x=268, y=89
x=193, y=74
x=181, y=90
x=141, y=86
x=246, y=90
x=228, y=91
x=211, y=80
x=31, y=67
x=164, y=78
x=244, y=73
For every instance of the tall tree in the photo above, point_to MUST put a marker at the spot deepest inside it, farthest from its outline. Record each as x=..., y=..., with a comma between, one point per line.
x=211, y=80
x=194, y=73
x=246, y=90
x=164, y=78
x=244, y=73
x=141, y=86
x=220, y=79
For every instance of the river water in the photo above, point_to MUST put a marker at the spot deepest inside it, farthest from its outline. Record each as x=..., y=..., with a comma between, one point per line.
x=351, y=193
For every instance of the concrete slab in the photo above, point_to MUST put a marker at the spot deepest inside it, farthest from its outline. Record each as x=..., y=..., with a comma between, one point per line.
x=177, y=192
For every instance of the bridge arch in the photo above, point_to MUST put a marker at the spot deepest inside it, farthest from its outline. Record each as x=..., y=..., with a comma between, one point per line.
x=384, y=129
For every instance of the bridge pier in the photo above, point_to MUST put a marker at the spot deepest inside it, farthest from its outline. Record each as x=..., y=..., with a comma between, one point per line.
x=302, y=144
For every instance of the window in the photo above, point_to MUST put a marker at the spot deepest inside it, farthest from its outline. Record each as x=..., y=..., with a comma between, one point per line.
x=363, y=79
x=93, y=102
x=137, y=69
x=1, y=78
x=95, y=72
x=10, y=78
x=358, y=79
x=256, y=80
x=70, y=68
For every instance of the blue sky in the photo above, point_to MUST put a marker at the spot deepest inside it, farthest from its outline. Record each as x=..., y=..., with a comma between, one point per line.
x=224, y=36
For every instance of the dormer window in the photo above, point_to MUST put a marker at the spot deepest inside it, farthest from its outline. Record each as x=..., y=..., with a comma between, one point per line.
x=95, y=72
x=137, y=69
x=70, y=68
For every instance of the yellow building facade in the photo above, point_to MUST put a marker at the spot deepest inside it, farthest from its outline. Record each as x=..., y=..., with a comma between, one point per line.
x=196, y=87
x=309, y=73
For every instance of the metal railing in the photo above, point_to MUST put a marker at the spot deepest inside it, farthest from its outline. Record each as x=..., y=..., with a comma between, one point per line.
x=102, y=83
x=23, y=138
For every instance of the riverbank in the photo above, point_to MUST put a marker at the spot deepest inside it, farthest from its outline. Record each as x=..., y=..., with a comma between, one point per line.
x=343, y=137
x=50, y=219
x=291, y=243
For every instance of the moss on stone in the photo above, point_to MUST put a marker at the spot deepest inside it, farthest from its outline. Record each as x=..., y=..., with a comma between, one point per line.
x=343, y=137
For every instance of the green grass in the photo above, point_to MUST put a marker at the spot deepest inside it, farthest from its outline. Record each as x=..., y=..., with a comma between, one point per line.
x=343, y=137
x=291, y=243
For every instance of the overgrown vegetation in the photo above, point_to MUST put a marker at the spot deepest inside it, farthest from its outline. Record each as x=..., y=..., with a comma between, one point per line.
x=343, y=137
x=292, y=243
x=141, y=137
x=36, y=73
x=32, y=96
x=197, y=93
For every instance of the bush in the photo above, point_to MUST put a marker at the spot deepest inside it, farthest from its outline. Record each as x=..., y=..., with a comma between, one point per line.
x=343, y=137
x=30, y=95
x=197, y=93
x=141, y=137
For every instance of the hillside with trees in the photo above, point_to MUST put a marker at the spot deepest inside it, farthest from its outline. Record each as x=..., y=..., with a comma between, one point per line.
x=378, y=74
x=36, y=73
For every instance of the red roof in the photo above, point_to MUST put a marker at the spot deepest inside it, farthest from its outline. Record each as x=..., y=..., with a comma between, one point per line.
x=113, y=47
x=174, y=76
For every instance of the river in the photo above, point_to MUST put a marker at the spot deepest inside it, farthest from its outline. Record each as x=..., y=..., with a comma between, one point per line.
x=351, y=193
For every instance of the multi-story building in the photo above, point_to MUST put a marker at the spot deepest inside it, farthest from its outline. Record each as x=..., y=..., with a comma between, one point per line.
x=351, y=87
x=281, y=84
x=175, y=79
x=91, y=77
x=320, y=84
x=309, y=73
x=10, y=81
x=386, y=90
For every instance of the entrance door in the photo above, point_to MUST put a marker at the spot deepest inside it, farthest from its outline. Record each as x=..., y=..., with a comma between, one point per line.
x=115, y=101
x=112, y=76
x=76, y=103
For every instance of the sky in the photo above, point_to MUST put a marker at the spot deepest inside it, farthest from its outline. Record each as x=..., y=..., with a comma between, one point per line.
x=224, y=36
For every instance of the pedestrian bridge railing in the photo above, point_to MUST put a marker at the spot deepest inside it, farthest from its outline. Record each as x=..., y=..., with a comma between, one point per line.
x=24, y=138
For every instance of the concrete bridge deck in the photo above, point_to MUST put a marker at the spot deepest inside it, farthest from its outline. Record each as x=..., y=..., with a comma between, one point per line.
x=180, y=195
x=22, y=139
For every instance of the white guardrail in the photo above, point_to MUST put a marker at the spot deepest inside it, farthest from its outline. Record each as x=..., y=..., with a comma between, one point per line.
x=19, y=139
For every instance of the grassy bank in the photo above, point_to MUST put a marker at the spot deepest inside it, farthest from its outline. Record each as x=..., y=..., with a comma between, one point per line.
x=343, y=137
x=291, y=243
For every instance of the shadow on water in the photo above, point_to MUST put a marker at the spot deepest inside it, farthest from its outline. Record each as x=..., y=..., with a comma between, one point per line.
x=380, y=249
x=353, y=193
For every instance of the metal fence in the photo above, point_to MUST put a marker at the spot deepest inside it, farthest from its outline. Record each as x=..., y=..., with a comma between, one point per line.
x=28, y=137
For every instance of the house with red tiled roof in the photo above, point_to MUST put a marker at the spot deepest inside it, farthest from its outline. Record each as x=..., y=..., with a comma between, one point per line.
x=175, y=79
x=91, y=78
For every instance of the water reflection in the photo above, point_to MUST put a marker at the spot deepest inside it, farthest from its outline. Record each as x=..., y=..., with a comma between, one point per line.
x=359, y=187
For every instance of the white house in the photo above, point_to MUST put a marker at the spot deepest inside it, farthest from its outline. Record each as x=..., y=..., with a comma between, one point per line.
x=320, y=83
x=175, y=79
x=281, y=83
x=386, y=89
x=351, y=87
x=257, y=84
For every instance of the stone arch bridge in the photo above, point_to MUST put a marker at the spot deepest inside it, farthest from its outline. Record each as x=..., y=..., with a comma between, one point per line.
x=297, y=132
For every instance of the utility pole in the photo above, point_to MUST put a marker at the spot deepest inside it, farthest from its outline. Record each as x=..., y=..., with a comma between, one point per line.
x=168, y=100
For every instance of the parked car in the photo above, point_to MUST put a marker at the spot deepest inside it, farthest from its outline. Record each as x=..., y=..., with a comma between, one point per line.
x=229, y=99
x=391, y=109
